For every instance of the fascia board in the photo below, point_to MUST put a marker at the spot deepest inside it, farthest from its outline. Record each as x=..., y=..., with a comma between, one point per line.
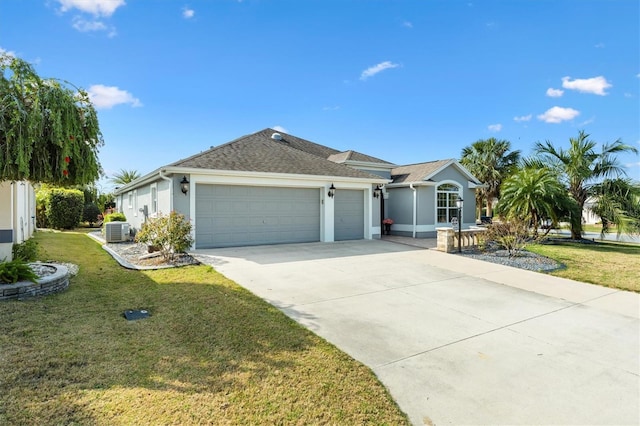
x=370, y=166
x=407, y=184
x=280, y=176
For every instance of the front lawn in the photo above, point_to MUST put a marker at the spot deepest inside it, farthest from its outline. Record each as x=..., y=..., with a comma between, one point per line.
x=608, y=264
x=211, y=353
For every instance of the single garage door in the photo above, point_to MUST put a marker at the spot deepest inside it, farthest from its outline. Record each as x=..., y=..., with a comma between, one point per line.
x=348, y=215
x=230, y=215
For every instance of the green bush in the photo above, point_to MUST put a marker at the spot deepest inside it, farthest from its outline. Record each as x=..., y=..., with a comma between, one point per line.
x=172, y=234
x=26, y=251
x=90, y=213
x=16, y=270
x=64, y=208
x=43, y=191
x=114, y=217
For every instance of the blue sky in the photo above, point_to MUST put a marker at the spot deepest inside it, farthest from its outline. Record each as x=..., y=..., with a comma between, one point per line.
x=406, y=81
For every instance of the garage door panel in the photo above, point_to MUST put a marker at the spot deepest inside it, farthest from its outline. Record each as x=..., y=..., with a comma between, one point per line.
x=228, y=215
x=349, y=215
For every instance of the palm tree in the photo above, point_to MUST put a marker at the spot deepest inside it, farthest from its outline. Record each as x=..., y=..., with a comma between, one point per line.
x=491, y=162
x=618, y=203
x=124, y=177
x=580, y=167
x=533, y=194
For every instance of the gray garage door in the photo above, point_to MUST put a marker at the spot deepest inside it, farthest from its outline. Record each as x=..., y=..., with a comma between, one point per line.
x=229, y=215
x=349, y=215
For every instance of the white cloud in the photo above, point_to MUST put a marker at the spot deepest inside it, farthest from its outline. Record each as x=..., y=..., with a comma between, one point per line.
x=554, y=93
x=83, y=25
x=595, y=85
x=95, y=7
x=589, y=121
x=630, y=165
x=188, y=13
x=280, y=129
x=371, y=71
x=407, y=24
x=628, y=95
x=329, y=108
x=599, y=45
x=106, y=97
x=495, y=127
x=522, y=118
x=558, y=114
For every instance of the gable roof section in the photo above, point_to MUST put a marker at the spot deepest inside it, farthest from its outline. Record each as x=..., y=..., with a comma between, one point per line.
x=258, y=152
x=355, y=156
x=422, y=172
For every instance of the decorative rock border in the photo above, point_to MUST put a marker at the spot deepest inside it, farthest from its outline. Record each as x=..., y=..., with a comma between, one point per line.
x=49, y=284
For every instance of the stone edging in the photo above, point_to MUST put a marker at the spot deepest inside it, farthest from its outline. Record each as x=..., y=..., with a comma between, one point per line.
x=49, y=284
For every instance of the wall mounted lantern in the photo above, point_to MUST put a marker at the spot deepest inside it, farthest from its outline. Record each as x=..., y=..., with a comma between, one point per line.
x=184, y=185
x=332, y=191
x=459, y=204
x=377, y=192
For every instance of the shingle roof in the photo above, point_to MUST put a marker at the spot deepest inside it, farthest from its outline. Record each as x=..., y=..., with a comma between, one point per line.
x=258, y=152
x=355, y=156
x=417, y=172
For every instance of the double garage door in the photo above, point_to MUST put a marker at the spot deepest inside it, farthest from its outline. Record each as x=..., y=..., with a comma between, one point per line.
x=231, y=215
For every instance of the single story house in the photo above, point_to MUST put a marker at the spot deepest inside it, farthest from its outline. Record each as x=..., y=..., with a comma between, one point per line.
x=17, y=215
x=270, y=187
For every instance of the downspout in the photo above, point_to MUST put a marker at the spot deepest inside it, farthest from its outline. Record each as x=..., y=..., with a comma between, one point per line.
x=415, y=208
x=168, y=179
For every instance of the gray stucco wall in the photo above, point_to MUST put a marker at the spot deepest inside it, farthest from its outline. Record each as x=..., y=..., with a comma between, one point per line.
x=181, y=203
x=426, y=205
x=400, y=205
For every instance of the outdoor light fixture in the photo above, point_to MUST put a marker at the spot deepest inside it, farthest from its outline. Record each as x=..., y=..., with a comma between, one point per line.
x=377, y=192
x=459, y=203
x=332, y=191
x=184, y=185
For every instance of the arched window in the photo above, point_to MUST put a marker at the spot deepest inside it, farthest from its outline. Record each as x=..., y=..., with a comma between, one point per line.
x=446, y=196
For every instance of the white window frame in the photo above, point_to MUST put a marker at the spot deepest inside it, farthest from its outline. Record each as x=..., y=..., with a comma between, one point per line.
x=451, y=210
x=154, y=198
x=130, y=199
x=135, y=202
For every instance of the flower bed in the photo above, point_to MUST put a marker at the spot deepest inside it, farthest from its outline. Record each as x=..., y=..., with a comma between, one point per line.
x=53, y=279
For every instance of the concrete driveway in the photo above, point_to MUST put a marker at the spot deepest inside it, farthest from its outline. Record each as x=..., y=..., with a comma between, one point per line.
x=456, y=340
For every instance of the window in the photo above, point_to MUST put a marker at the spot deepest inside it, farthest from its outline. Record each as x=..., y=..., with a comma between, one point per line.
x=447, y=194
x=154, y=198
x=135, y=203
x=130, y=194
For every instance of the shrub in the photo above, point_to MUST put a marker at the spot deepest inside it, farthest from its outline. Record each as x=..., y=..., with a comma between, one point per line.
x=64, y=208
x=26, y=251
x=511, y=235
x=115, y=217
x=16, y=270
x=90, y=213
x=172, y=234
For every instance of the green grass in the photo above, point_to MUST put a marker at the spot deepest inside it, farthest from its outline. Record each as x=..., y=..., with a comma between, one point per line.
x=211, y=353
x=608, y=264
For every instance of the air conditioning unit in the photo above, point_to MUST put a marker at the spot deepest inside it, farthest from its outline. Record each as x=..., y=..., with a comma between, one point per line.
x=116, y=232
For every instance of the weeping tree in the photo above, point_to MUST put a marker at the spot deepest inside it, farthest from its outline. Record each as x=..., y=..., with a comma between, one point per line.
x=49, y=129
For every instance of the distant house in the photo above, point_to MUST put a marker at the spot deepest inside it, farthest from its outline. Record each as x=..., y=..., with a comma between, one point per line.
x=17, y=215
x=271, y=188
